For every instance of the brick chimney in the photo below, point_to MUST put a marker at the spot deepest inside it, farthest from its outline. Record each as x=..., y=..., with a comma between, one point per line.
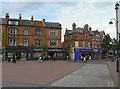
x=43, y=20
x=7, y=17
x=90, y=28
x=73, y=26
x=86, y=26
x=32, y=19
x=20, y=17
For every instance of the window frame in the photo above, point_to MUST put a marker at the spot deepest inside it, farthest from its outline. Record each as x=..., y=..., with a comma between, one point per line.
x=27, y=32
x=27, y=42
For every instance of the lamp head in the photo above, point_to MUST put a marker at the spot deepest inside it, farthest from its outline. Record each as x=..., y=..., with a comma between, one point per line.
x=110, y=22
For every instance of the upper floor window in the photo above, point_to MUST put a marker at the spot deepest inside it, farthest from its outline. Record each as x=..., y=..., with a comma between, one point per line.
x=71, y=36
x=83, y=44
x=76, y=43
x=53, y=32
x=38, y=32
x=98, y=45
x=92, y=37
x=37, y=42
x=92, y=45
x=13, y=22
x=76, y=36
x=95, y=45
x=0, y=30
x=97, y=37
x=12, y=41
x=13, y=31
x=25, y=31
x=85, y=36
x=25, y=42
x=53, y=42
x=0, y=42
x=89, y=44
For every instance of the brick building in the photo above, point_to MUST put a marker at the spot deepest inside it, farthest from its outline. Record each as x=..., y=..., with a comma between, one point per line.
x=25, y=37
x=85, y=41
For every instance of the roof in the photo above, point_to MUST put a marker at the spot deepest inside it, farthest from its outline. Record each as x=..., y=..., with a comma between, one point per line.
x=101, y=33
x=28, y=23
x=78, y=30
x=94, y=32
x=52, y=25
x=22, y=22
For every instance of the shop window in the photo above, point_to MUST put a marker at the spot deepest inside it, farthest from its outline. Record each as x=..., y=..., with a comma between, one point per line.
x=26, y=32
x=53, y=32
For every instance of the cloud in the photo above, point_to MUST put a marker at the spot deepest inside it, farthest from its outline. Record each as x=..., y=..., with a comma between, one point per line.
x=96, y=14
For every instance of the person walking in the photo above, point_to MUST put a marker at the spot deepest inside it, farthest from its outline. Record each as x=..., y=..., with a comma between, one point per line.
x=84, y=58
x=40, y=59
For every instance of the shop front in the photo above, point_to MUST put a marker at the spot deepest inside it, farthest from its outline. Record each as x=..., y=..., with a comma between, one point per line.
x=96, y=53
x=20, y=52
x=82, y=52
x=57, y=53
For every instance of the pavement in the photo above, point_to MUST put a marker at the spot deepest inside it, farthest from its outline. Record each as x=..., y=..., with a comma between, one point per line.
x=94, y=73
x=90, y=75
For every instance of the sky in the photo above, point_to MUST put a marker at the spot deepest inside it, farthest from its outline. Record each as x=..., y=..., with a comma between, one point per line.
x=96, y=14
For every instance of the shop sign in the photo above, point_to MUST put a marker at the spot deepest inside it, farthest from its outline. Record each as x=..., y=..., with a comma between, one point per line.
x=82, y=50
x=37, y=49
x=54, y=50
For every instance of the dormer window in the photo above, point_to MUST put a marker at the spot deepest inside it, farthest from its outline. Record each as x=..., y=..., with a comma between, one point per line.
x=13, y=22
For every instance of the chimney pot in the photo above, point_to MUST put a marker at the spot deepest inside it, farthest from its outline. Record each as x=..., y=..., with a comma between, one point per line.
x=7, y=17
x=32, y=19
x=20, y=17
x=73, y=26
x=43, y=21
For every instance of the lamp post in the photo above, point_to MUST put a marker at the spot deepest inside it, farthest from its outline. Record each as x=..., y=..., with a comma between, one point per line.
x=116, y=8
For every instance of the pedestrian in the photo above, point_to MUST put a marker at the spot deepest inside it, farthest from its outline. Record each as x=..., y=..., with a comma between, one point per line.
x=14, y=58
x=90, y=58
x=84, y=58
x=40, y=59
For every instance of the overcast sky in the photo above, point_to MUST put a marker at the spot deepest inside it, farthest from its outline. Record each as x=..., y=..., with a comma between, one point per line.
x=96, y=14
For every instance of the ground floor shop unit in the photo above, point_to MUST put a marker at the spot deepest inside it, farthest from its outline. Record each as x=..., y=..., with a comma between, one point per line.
x=92, y=53
x=33, y=53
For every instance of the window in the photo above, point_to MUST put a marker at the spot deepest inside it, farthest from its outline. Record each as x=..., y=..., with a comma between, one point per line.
x=84, y=35
x=25, y=42
x=95, y=45
x=87, y=36
x=0, y=30
x=38, y=32
x=13, y=31
x=26, y=32
x=0, y=42
x=71, y=36
x=53, y=42
x=76, y=43
x=37, y=42
x=76, y=36
x=98, y=45
x=89, y=44
x=83, y=44
x=53, y=32
x=13, y=22
x=92, y=37
x=92, y=45
x=12, y=41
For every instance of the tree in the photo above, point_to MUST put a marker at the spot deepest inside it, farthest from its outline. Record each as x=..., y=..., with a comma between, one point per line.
x=4, y=38
x=68, y=49
x=105, y=44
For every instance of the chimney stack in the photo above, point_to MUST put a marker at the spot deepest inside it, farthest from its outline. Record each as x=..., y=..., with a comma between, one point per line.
x=20, y=17
x=86, y=26
x=32, y=19
x=73, y=26
x=90, y=28
x=43, y=21
x=7, y=17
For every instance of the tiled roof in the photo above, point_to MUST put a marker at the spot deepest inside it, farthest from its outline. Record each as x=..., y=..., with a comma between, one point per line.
x=52, y=25
x=28, y=23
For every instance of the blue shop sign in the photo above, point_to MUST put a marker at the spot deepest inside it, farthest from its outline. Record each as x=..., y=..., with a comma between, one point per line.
x=82, y=50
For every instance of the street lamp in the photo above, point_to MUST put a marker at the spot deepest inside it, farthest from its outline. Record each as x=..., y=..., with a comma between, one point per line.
x=116, y=8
